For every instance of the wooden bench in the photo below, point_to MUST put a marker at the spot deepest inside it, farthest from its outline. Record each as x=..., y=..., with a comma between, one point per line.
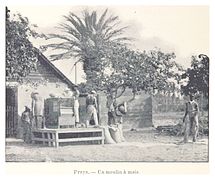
x=53, y=137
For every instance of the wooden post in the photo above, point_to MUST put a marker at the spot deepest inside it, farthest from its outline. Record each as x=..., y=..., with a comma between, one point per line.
x=49, y=138
x=53, y=139
x=56, y=139
x=43, y=137
x=32, y=137
x=103, y=137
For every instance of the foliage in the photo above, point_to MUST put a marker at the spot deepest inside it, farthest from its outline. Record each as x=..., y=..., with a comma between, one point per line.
x=21, y=56
x=124, y=68
x=109, y=64
x=87, y=38
x=198, y=76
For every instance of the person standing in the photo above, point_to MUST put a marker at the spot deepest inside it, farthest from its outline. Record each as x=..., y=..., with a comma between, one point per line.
x=26, y=124
x=76, y=106
x=192, y=122
x=120, y=110
x=91, y=103
x=37, y=111
x=111, y=109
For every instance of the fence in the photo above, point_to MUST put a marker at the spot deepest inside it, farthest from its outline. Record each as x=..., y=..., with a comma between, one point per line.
x=163, y=103
x=10, y=121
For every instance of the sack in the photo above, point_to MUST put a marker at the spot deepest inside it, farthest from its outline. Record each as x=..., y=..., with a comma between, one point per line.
x=92, y=122
x=121, y=132
x=115, y=134
x=108, y=138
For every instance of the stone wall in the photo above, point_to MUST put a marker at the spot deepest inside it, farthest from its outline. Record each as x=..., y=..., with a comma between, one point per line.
x=139, y=113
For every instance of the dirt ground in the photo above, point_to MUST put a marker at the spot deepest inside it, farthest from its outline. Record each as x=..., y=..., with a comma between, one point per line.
x=144, y=145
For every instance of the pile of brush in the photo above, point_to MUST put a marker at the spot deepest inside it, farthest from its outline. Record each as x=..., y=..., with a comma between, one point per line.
x=204, y=126
x=178, y=129
x=172, y=130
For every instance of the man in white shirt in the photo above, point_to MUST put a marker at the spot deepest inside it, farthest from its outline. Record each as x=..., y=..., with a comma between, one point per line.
x=76, y=105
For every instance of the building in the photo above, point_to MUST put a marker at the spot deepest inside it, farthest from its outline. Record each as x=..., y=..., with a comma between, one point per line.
x=46, y=80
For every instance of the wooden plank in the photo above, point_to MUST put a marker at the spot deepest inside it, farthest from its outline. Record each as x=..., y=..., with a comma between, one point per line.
x=69, y=130
x=42, y=140
x=80, y=139
x=79, y=130
x=55, y=139
x=44, y=130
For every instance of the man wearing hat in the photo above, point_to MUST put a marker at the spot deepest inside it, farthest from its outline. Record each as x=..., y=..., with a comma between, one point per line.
x=191, y=123
x=76, y=105
x=37, y=110
x=91, y=103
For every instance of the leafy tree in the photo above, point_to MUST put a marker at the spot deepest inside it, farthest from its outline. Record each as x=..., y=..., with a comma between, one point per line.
x=197, y=76
x=87, y=38
x=152, y=72
x=109, y=64
x=21, y=56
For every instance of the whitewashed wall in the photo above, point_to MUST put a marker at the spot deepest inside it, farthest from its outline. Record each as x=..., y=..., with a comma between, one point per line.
x=24, y=97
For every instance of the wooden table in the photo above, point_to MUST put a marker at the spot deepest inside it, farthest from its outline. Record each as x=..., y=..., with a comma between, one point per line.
x=53, y=137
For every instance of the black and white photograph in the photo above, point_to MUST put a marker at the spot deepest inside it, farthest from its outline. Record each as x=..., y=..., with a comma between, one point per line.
x=107, y=83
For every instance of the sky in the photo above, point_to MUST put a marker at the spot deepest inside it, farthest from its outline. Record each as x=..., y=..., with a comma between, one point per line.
x=180, y=29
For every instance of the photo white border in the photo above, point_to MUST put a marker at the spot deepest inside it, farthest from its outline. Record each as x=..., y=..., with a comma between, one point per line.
x=18, y=170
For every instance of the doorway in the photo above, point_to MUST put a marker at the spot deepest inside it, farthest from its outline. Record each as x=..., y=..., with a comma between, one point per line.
x=11, y=112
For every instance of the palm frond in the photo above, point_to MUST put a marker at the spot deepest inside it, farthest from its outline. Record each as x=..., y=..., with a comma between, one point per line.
x=64, y=55
x=67, y=44
x=75, y=24
x=88, y=37
x=101, y=19
x=55, y=57
x=122, y=39
x=79, y=19
x=115, y=33
x=111, y=27
x=63, y=37
x=87, y=21
x=110, y=20
x=69, y=30
x=94, y=19
x=64, y=45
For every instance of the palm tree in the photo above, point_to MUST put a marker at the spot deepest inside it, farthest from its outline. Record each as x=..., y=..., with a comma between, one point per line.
x=88, y=38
